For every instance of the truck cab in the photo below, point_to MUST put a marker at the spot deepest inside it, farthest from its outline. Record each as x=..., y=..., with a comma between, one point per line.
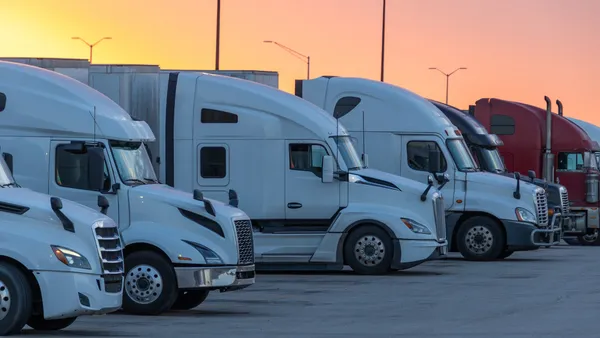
x=178, y=246
x=405, y=133
x=58, y=260
x=484, y=147
x=553, y=145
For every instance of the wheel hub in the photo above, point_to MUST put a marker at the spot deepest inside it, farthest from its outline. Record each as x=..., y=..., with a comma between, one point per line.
x=5, y=300
x=479, y=239
x=590, y=238
x=143, y=284
x=369, y=250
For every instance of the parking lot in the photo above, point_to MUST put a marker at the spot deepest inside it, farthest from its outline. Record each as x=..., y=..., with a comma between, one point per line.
x=546, y=293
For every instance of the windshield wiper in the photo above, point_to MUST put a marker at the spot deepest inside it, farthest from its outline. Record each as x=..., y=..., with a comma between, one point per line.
x=136, y=180
x=153, y=180
x=12, y=184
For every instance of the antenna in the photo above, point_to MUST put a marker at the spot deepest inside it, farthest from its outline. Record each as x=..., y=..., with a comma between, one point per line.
x=364, y=150
x=94, y=124
x=337, y=161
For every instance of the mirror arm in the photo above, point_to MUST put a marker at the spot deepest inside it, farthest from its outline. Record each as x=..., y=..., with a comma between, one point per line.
x=424, y=194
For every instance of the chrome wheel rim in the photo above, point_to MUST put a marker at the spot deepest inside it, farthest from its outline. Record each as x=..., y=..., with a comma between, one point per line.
x=143, y=284
x=369, y=250
x=479, y=239
x=5, y=300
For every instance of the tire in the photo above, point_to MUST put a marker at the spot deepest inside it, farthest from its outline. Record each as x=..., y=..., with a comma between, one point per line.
x=189, y=299
x=39, y=323
x=377, y=259
x=150, y=284
x=480, y=238
x=16, y=299
x=589, y=239
x=505, y=254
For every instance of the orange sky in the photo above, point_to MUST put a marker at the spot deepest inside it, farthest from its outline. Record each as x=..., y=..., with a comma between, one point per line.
x=514, y=49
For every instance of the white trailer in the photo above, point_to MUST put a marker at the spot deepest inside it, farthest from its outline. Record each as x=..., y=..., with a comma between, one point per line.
x=269, y=78
x=58, y=259
x=312, y=203
x=178, y=246
x=406, y=133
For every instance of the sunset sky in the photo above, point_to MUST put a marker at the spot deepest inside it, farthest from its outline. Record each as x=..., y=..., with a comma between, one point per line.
x=519, y=50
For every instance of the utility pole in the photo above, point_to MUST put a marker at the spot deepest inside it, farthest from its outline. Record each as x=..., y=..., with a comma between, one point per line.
x=218, y=34
x=383, y=41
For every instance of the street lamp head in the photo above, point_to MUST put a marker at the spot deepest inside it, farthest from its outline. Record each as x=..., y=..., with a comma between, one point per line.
x=433, y=68
x=107, y=38
x=268, y=41
x=463, y=68
x=76, y=38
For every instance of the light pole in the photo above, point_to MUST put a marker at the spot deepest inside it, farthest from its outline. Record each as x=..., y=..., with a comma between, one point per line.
x=302, y=57
x=447, y=77
x=383, y=41
x=91, y=45
x=218, y=47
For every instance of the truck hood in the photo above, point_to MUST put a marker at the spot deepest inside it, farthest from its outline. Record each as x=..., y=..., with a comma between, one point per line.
x=182, y=199
x=402, y=183
x=495, y=180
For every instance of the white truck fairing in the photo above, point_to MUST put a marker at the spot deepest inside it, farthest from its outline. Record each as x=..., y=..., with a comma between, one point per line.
x=243, y=136
x=406, y=135
x=73, y=263
x=63, y=133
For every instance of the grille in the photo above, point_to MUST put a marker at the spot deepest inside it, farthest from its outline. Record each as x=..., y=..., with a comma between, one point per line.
x=439, y=212
x=564, y=201
x=111, y=255
x=541, y=204
x=245, y=240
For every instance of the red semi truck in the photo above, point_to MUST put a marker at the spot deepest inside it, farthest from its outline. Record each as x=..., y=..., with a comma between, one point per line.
x=539, y=140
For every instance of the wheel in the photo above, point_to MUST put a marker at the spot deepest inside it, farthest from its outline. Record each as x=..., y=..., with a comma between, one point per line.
x=368, y=250
x=505, y=254
x=572, y=241
x=150, y=284
x=189, y=299
x=41, y=324
x=480, y=238
x=589, y=239
x=16, y=299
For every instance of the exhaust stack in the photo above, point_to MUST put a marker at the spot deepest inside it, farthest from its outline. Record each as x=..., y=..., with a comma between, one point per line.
x=560, y=108
x=548, y=169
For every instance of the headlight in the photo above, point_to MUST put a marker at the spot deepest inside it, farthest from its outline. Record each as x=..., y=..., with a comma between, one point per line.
x=415, y=226
x=525, y=215
x=210, y=256
x=71, y=258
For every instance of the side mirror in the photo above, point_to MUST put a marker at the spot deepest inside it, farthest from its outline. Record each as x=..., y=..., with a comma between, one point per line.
x=96, y=168
x=517, y=176
x=103, y=204
x=327, y=175
x=434, y=161
x=56, y=203
x=8, y=158
x=446, y=177
x=233, y=198
x=198, y=196
x=531, y=175
x=365, y=160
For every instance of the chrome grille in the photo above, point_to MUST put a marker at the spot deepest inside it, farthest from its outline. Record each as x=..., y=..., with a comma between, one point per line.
x=245, y=241
x=439, y=213
x=541, y=205
x=110, y=250
x=564, y=201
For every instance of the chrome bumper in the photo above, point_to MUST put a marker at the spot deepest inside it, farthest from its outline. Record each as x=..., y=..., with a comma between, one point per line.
x=224, y=278
x=549, y=235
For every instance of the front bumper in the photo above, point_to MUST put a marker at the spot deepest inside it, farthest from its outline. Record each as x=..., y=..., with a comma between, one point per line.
x=412, y=250
x=71, y=294
x=224, y=278
x=522, y=236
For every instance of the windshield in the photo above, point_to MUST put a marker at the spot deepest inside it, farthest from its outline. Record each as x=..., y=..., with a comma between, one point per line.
x=461, y=155
x=133, y=163
x=6, y=178
x=492, y=160
x=348, y=152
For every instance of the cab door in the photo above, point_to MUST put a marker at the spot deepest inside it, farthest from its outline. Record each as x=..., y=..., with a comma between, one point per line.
x=415, y=165
x=68, y=178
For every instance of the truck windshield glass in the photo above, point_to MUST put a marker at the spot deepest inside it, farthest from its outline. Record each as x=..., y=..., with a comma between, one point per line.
x=133, y=163
x=492, y=160
x=461, y=155
x=6, y=178
x=348, y=152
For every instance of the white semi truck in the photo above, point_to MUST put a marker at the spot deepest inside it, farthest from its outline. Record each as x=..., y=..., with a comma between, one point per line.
x=489, y=216
x=312, y=203
x=58, y=259
x=178, y=246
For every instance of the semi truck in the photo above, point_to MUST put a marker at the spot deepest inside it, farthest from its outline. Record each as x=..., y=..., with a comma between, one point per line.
x=312, y=203
x=58, y=259
x=593, y=132
x=269, y=78
x=484, y=147
x=539, y=140
x=405, y=134
x=178, y=246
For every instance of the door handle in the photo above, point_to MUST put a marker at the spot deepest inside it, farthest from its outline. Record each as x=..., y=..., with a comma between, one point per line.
x=294, y=205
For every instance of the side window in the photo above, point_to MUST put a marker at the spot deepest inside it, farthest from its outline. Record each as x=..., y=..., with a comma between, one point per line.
x=570, y=161
x=213, y=162
x=502, y=125
x=417, y=153
x=345, y=105
x=71, y=170
x=217, y=116
x=307, y=157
